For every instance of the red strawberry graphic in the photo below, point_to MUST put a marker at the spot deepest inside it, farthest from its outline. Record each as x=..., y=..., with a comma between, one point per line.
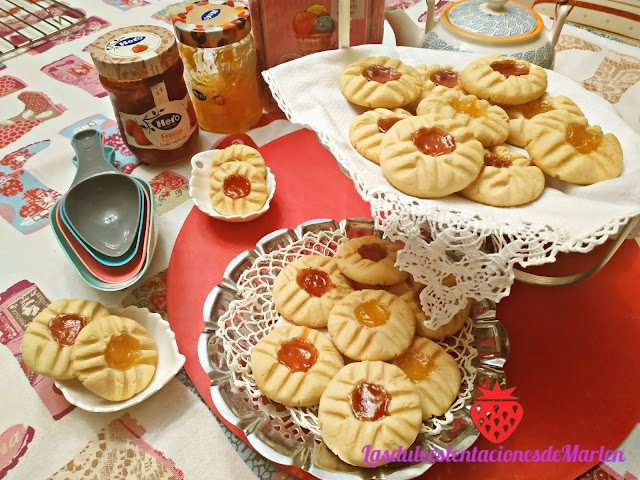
x=140, y=137
x=192, y=114
x=139, y=48
x=130, y=126
x=496, y=414
x=12, y=132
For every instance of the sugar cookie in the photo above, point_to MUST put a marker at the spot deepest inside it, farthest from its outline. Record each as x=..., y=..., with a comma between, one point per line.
x=435, y=374
x=370, y=260
x=237, y=188
x=435, y=77
x=49, y=338
x=306, y=290
x=114, y=357
x=371, y=325
x=508, y=81
x=430, y=156
x=293, y=365
x=367, y=130
x=489, y=123
x=507, y=179
x=239, y=153
x=380, y=82
x=565, y=146
x=369, y=403
x=519, y=115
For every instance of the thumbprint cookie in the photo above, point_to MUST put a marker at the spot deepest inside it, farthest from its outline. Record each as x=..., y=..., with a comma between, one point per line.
x=237, y=188
x=49, y=338
x=293, y=365
x=370, y=260
x=367, y=130
x=239, y=153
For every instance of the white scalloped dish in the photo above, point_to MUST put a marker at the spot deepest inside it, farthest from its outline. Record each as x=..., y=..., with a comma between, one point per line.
x=199, y=189
x=170, y=361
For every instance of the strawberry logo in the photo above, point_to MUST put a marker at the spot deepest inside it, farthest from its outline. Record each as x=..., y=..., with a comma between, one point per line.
x=496, y=413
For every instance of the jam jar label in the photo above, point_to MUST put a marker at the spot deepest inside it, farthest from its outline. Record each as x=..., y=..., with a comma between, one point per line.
x=166, y=126
x=133, y=44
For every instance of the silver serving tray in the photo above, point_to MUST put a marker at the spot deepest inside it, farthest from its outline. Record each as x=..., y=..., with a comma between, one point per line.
x=282, y=441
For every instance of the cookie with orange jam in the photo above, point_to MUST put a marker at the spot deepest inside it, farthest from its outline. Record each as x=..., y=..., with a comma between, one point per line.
x=293, y=365
x=380, y=82
x=565, y=146
x=508, y=179
x=371, y=325
x=306, y=290
x=49, y=338
x=369, y=403
x=239, y=153
x=370, y=260
x=430, y=156
x=489, y=123
x=367, y=130
x=410, y=290
x=237, y=188
x=508, y=81
x=519, y=115
x=114, y=357
x=435, y=374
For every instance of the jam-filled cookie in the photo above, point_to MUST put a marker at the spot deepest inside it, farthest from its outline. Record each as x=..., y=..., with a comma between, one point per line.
x=306, y=290
x=239, y=153
x=370, y=260
x=430, y=156
x=367, y=130
x=507, y=179
x=237, y=188
x=519, y=115
x=435, y=78
x=435, y=374
x=565, y=146
x=508, y=81
x=409, y=291
x=380, y=82
x=114, y=357
x=293, y=365
x=371, y=325
x=49, y=338
x=369, y=403
x=489, y=123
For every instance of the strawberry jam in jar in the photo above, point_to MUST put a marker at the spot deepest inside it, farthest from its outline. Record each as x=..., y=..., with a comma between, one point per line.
x=220, y=61
x=140, y=68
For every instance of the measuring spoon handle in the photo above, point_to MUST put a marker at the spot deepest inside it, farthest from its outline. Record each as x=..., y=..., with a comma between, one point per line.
x=90, y=155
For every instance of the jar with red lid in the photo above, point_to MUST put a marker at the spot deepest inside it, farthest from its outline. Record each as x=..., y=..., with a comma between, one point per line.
x=140, y=68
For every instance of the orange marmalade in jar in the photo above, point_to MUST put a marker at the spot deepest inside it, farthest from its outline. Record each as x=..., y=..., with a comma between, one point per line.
x=140, y=68
x=219, y=58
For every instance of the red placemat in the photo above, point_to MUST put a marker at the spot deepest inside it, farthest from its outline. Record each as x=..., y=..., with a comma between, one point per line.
x=573, y=349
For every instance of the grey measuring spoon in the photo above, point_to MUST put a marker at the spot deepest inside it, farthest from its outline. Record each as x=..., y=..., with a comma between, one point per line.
x=102, y=205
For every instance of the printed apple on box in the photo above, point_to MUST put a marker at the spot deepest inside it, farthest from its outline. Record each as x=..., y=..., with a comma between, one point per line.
x=288, y=29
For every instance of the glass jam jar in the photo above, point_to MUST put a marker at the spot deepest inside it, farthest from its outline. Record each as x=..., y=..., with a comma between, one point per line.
x=139, y=66
x=219, y=57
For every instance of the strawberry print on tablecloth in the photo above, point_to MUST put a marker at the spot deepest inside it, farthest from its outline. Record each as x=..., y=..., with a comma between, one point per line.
x=72, y=70
x=24, y=200
x=152, y=294
x=38, y=108
x=169, y=189
x=119, y=451
x=14, y=442
x=9, y=84
x=19, y=305
x=124, y=159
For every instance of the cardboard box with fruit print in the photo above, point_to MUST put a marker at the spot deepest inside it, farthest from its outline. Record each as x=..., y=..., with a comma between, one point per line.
x=288, y=29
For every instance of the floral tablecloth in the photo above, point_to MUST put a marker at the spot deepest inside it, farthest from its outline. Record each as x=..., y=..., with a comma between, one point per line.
x=46, y=95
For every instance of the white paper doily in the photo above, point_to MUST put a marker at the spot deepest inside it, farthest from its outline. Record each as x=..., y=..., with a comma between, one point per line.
x=566, y=218
x=240, y=311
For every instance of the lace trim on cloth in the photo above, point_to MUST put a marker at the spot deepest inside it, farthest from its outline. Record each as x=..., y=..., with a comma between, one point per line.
x=440, y=241
x=253, y=315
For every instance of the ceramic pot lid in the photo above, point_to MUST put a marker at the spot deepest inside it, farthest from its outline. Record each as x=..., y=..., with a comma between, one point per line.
x=493, y=20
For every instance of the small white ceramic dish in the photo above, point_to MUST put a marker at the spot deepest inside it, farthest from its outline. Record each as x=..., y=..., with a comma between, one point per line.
x=170, y=361
x=199, y=189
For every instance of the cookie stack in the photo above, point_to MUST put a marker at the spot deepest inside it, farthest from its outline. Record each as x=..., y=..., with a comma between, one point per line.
x=238, y=181
x=393, y=379
x=454, y=143
x=114, y=357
